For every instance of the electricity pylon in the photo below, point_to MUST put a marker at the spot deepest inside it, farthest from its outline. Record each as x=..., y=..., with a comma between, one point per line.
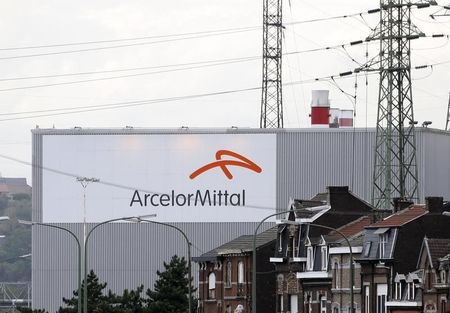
x=272, y=101
x=395, y=173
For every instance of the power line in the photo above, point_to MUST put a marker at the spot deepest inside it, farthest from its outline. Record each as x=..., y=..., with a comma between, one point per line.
x=217, y=62
x=231, y=60
x=121, y=46
x=83, y=109
x=130, y=39
x=124, y=76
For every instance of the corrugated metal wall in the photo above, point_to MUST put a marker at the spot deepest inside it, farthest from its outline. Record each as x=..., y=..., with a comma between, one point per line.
x=127, y=255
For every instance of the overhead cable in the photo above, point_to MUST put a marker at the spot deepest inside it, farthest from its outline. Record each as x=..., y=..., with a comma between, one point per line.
x=83, y=109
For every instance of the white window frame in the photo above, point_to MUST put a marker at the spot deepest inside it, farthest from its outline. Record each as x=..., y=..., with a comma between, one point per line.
x=229, y=271
x=398, y=290
x=323, y=304
x=241, y=272
x=324, y=256
x=383, y=242
x=381, y=298
x=309, y=258
x=367, y=299
x=212, y=285
x=337, y=275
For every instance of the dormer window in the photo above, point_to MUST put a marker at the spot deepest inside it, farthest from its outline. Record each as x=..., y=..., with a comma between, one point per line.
x=443, y=277
x=383, y=239
x=324, y=254
x=398, y=290
x=280, y=238
x=399, y=284
x=411, y=291
x=309, y=258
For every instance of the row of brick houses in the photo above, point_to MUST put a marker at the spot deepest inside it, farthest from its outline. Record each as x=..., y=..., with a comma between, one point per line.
x=401, y=260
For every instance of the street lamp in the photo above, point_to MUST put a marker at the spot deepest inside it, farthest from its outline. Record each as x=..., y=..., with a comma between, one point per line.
x=85, y=291
x=189, y=254
x=79, y=251
x=352, y=282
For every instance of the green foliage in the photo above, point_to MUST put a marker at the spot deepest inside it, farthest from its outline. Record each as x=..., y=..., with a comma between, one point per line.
x=170, y=294
x=97, y=302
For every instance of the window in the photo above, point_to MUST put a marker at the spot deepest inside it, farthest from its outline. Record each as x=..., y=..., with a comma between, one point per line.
x=309, y=259
x=240, y=272
x=280, y=303
x=366, y=251
x=381, y=298
x=398, y=290
x=336, y=275
x=280, y=237
x=323, y=304
x=293, y=303
x=335, y=309
x=383, y=241
x=324, y=255
x=228, y=269
x=294, y=248
x=411, y=291
x=443, y=306
x=212, y=286
x=366, y=299
x=443, y=277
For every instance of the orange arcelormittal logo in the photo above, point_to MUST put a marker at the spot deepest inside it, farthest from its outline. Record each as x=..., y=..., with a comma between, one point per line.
x=241, y=162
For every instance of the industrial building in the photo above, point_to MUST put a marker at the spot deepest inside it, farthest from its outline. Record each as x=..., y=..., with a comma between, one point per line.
x=214, y=184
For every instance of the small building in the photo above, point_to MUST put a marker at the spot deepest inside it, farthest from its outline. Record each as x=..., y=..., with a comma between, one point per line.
x=433, y=263
x=225, y=275
x=304, y=279
x=391, y=249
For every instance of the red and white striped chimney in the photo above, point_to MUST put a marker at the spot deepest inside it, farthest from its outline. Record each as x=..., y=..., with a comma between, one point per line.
x=320, y=108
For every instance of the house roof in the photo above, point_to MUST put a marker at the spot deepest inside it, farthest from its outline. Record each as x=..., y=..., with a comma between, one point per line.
x=242, y=244
x=355, y=227
x=298, y=204
x=437, y=248
x=353, y=231
x=402, y=217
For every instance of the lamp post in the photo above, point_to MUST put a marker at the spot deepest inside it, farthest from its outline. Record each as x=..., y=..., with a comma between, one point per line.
x=189, y=255
x=86, y=239
x=312, y=224
x=79, y=251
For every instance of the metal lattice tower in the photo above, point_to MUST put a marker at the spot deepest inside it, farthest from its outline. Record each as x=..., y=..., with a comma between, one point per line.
x=395, y=172
x=272, y=102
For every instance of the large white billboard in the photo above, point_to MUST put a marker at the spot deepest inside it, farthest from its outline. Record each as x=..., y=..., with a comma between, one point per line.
x=178, y=177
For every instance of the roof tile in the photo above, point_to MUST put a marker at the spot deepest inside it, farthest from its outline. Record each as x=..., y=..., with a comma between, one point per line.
x=402, y=217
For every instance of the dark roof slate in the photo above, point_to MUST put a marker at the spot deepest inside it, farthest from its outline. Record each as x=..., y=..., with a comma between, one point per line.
x=242, y=244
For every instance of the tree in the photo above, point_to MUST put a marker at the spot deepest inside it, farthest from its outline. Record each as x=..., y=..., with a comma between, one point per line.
x=170, y=294
x=97, y=302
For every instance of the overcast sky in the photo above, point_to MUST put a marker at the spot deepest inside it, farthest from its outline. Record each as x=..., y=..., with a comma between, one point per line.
x=99, y=29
